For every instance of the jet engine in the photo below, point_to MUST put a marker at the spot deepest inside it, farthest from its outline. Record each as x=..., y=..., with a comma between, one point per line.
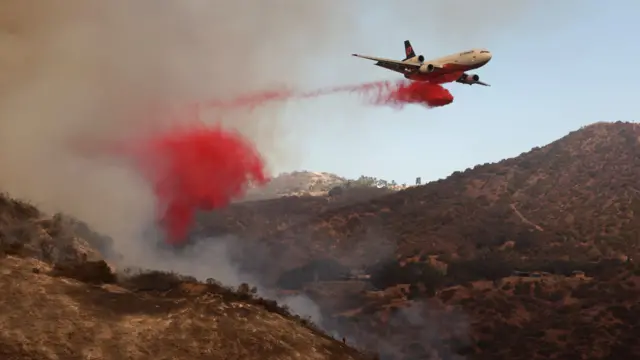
x=427, y=68
x=469, y=79
x=421, y=59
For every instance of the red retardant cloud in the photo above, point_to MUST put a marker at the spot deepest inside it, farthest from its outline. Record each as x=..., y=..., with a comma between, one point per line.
x=195, y=168
x=204, y=168
x=384, y=93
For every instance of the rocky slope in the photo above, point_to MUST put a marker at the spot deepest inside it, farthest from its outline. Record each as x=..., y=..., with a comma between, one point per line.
x=61, y=302
x=567, y=207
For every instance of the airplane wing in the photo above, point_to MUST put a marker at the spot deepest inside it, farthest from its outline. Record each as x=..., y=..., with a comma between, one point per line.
x=394, y=65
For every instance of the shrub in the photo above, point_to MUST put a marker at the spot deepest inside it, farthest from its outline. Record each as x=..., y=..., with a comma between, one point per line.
x=489, y=267
x=391, y=273
x=317, y=270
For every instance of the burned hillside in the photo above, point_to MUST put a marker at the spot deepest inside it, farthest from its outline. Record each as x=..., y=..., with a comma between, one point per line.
x=62, y=301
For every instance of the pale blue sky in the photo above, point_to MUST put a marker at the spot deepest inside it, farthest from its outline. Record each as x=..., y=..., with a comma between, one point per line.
x=556, y=66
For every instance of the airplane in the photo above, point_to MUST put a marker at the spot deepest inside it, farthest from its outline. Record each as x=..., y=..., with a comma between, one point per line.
x=438, y=71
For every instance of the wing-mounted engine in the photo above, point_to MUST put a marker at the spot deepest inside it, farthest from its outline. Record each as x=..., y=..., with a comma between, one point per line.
x=427, y=68
x=469, y=79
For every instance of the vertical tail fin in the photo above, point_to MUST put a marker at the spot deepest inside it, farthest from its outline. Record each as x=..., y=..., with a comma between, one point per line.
x=408, y=50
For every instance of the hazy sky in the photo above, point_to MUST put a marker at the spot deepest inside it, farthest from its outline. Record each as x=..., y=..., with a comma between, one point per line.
x=557, y=65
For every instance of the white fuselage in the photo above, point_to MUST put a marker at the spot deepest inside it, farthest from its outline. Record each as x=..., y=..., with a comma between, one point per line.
x=451, y=67
x=471, y=59
x=441, y=70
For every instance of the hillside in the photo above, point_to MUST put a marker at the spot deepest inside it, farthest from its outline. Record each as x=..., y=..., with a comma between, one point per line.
x=296, y=183
x=61, y=301
x=575, y=197
x=554, y=316
x=254, y=219
x=530, y=258
x=308, y=183
x=569, y=206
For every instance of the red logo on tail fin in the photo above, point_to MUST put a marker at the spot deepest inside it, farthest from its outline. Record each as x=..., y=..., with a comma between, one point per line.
x=409, y=50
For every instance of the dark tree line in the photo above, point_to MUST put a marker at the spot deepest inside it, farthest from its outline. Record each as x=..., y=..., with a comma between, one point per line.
x=492, y=266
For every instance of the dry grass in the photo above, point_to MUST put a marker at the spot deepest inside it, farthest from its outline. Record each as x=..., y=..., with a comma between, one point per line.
x=48, y=317
x=59, y=304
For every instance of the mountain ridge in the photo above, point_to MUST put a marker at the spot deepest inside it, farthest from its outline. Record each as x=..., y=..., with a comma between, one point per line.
x=511, y=194
x=562, y=209
x=529, y=257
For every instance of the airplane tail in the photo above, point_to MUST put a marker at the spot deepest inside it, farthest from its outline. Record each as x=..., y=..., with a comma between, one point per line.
x=408, y=50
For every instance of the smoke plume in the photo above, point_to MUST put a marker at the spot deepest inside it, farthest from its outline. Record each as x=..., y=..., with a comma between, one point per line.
x=86, y=70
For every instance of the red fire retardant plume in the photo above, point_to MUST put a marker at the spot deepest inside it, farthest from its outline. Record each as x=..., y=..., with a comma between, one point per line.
x=195, y=168
x=422, y=93
x=396, y=94
x=201, y=168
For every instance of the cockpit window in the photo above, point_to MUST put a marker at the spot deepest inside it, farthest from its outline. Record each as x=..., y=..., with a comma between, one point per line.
x=484, y=52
